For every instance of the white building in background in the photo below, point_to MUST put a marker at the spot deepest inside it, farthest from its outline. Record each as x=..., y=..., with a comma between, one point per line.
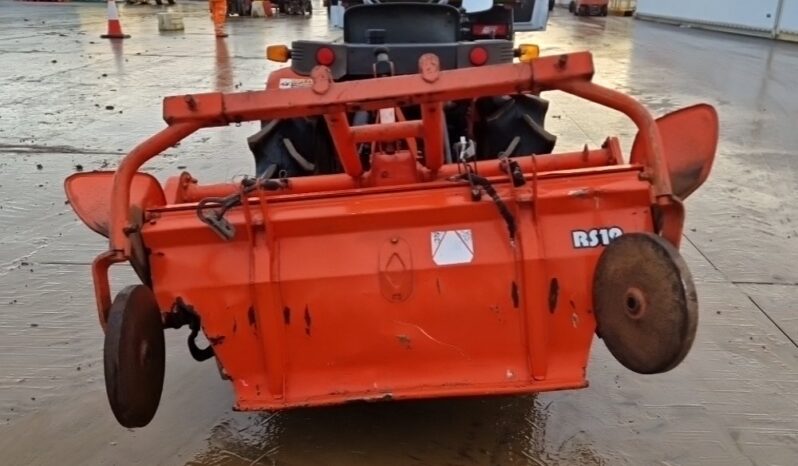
x=770, y=18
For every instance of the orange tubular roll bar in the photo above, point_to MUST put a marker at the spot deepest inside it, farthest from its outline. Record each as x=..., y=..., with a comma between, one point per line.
x=570, y=73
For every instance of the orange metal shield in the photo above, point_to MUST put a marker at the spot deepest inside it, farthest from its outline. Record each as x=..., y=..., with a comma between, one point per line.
x=419, y=293
x=690, y=142
x=89, y=194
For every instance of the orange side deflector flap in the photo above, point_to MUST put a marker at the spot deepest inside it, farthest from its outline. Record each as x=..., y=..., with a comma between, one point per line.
x=89, y=194
x=690, y=141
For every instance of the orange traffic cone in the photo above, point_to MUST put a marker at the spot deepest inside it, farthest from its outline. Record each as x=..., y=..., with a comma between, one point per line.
x=114, y=26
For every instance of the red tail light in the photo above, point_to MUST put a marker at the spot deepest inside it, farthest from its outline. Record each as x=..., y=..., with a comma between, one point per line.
x=478, y=56
x=325, y=56
x=492, y=30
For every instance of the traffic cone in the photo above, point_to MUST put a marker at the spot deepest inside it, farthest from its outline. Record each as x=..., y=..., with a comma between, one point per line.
x=114, y=26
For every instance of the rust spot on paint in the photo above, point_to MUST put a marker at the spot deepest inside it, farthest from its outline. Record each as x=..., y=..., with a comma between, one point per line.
x=554, y=294
x=514, y=295
x=287, y=315
x=404, y=340
x=216, y=340
x=251, y=317
x=307, y=321
x=235, y=326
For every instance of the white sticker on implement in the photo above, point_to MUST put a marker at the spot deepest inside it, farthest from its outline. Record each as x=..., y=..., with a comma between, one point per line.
x=291, y=83
x=387, y=115
x=452, y=247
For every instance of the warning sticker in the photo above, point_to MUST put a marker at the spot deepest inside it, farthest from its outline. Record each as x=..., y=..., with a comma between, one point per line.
x=452, y=247
x=387, y=115
x=291, y=83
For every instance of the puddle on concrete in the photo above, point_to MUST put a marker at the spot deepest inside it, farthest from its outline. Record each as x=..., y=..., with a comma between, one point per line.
x=732, y=402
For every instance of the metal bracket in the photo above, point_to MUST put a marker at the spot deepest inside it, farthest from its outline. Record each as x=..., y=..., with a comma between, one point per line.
x=219, y=224
x=183, y=314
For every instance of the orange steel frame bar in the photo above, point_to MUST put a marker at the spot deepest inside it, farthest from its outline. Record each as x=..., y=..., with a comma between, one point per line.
x=592, y=3
x=188, y=191
x=571, y=73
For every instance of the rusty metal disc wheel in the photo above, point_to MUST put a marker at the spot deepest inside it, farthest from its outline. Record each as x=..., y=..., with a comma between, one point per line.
x=645, y=303
x=134, y=356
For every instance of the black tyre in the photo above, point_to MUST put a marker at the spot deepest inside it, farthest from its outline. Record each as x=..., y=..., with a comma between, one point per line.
x=307, y=138
x=506, y=119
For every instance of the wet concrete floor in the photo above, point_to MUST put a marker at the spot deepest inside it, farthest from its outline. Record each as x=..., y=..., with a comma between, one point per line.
x=72, y=101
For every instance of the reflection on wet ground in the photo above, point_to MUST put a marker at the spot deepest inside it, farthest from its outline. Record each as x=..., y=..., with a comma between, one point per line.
x=71, y=102
x=491, y=431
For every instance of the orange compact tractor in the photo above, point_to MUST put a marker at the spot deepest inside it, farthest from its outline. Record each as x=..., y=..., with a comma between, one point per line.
x=589, y=7
x=416, y=251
